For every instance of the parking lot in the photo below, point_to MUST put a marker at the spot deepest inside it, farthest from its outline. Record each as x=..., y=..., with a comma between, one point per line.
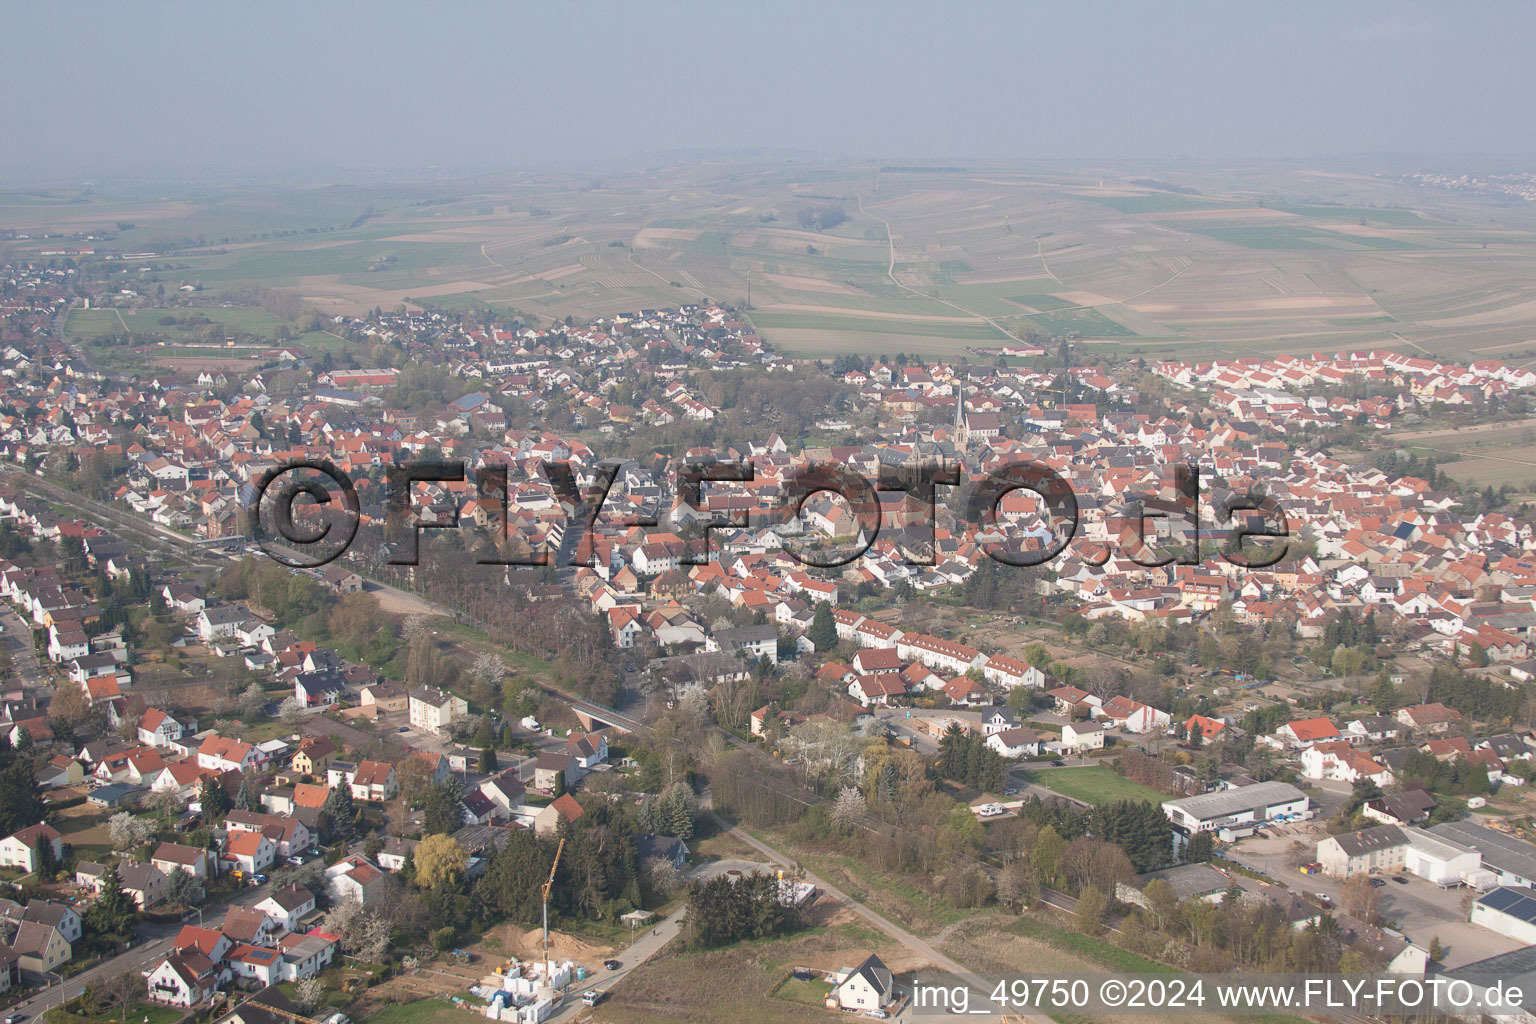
x=1418, y=908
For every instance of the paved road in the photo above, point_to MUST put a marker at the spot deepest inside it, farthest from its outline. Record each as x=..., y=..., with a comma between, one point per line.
x=152, y=943
x=17, y=636
x=649, y=942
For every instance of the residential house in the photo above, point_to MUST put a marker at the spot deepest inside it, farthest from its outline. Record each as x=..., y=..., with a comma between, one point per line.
x=869, y=986
x=1076, y=737
x=433, y=710
x=20, y=849
x=355, y=878
x=1380, y=849
x=288, y=906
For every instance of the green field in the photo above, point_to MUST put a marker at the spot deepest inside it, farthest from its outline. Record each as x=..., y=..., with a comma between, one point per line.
x=1092, y=784
x=1288, y=237
x=1160, y=203
x=91, y=324
x=1088, y=322
x=974, y=331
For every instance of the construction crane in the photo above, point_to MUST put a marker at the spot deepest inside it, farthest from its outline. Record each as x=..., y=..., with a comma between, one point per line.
x=549, y=884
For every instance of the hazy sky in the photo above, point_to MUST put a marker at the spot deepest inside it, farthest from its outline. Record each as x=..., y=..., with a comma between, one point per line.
x=93, y=90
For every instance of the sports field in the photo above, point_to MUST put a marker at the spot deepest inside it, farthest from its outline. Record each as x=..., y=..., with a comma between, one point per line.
x=1093, y=784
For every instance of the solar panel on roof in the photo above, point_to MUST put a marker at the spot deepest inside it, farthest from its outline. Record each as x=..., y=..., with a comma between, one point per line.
x=1517, y=903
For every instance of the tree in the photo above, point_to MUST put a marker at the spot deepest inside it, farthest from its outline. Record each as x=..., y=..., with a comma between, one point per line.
x=1436, y=951
x=291, y=710
x=671, y=813
x=663, y=877
x=823, y=631
x=252, y=700
x=487, y=761
x=1092, y=905
x=21, y=802
x=112, y=913
x=338, y=814
x=848, y=811
x=47, y=860
x=1360, y=899
x=440, y=862
x=129, y=833
x=182, y=889
x=1200, y=848
x=308, y=993
x=440, y=811
x=213, y=799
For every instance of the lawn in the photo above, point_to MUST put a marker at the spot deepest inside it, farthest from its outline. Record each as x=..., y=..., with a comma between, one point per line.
x=145, y=1012
x=812, y=992
x=423, y=1011
x=1093, y=784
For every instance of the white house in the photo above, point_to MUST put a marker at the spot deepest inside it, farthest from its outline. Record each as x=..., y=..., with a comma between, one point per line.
x=20, y=850
x=288, y=906
x=182, y=979
x=866, y=987
x=220, y=622
x=1077, y=737
x=1017, y=742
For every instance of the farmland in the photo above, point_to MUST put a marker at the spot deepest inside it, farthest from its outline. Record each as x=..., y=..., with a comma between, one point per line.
x=1243, y=259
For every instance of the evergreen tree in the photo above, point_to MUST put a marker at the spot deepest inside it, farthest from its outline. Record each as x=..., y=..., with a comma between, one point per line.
x=243, y=796
x=338, y=814
x=823, y=631
x=440, y=811
x=213, y=799
x=21, y=802
x=487, y=760
x=951, y=751
x=677, y=811
x=47, y=860
x=112, y=913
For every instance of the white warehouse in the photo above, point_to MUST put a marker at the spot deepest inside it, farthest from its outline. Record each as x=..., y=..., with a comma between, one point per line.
x=1439, y=859
x=1245, y=805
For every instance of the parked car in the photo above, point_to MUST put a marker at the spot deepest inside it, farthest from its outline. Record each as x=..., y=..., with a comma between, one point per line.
x=1058, y=764
x=1377, y=883
x=877, y=1014
x=612, y=965
x=1400, y=879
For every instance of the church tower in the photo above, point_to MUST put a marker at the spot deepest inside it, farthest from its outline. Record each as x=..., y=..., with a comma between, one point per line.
x=962, y=439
